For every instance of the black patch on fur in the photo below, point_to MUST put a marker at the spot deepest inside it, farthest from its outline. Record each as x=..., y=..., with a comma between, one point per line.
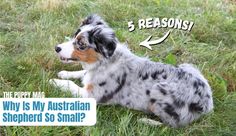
x=144, y=77
x=128, y=103
x=105, y=91
x=171, y=111
x=163, y=91
x=118, y=80
x=179, y=103
x=96, y=50
x=104, y=45
x=102, y=83
x=164, y=76
x=148, y=92
x=195, y=84
x=208, y=96
x=90, y=40
x=181, y=74
x=109, y=96
x=154, y=75
x=195, y=107
x=139, y=74
x=198, y=93
x=88, y=20
x=198, y=83
x=152, y=100
x=99, y=23
x=77, y=32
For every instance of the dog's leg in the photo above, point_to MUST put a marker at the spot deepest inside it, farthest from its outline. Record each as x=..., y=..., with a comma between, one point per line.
x=67, y=85
x=71, y=74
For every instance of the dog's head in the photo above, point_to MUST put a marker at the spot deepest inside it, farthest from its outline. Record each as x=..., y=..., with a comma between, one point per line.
x=94, y=40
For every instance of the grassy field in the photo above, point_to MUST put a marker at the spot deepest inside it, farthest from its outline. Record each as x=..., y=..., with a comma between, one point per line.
x=29, y=30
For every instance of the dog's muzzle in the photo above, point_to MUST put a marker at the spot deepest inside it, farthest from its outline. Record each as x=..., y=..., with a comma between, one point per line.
x=58, y=49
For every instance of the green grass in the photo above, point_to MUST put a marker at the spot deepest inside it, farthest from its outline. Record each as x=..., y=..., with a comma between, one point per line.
x=29, y=30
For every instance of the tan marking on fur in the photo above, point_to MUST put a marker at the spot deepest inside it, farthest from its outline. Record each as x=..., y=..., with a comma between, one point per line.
x=89, y=87
x=88, y=55
x=79, y=36
x=151, y=107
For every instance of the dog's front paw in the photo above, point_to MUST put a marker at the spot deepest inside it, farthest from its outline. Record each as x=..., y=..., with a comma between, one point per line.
x=65, y=85
x=63, y=75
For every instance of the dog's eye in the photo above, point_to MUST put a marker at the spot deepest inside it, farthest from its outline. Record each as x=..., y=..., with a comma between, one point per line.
x=81, y=46
x=79, y=43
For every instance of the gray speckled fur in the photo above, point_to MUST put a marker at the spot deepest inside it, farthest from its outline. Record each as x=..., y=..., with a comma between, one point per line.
x=133, y=94
x=178, y=95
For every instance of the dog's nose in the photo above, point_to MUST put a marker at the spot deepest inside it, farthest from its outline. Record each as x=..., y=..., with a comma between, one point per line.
x=57, y=49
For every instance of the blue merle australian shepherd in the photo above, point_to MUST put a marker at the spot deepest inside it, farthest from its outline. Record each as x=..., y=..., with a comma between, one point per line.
x=113, y=75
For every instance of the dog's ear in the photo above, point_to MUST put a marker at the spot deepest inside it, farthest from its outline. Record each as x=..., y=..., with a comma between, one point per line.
x=104, y=39
x=93, y=19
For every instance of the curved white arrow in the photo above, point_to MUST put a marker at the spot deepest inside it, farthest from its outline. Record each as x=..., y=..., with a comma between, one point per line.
x=146, y=43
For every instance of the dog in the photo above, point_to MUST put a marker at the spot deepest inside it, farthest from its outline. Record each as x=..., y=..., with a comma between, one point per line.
x=112, y=74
